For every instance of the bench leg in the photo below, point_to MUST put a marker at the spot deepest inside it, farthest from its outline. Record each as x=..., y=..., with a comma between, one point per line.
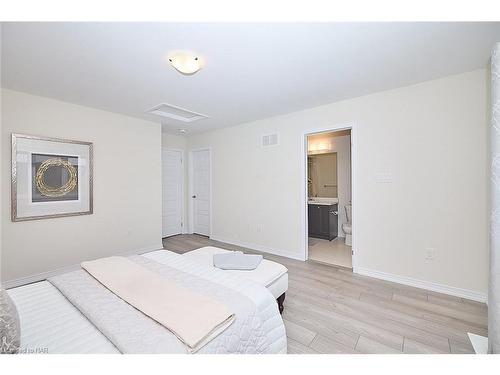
x=280, y=301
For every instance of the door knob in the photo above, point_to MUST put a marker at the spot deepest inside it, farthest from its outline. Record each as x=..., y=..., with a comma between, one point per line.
x=334, y=213
x=194, y=196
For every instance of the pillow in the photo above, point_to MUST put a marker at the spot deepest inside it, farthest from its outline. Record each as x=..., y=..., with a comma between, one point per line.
x=10, y=330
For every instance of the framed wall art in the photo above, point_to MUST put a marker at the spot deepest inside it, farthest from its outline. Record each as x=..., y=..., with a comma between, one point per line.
x=51, y=178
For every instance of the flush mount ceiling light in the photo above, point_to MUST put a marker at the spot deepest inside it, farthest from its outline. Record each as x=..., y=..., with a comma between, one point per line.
x=185, y=63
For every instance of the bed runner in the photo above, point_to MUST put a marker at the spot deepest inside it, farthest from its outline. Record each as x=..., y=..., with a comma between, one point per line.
x=173, y=306
x=131, y=331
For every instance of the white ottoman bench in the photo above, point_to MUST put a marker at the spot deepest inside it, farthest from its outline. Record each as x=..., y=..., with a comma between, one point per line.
x=272, y=275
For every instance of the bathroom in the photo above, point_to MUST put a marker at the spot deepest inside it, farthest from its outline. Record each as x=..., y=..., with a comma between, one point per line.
x=329, y=198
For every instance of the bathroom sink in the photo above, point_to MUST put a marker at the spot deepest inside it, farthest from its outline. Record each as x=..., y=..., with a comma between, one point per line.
x=321, y=200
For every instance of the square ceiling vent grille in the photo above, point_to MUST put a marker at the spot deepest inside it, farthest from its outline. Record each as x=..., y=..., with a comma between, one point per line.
x=176, y=113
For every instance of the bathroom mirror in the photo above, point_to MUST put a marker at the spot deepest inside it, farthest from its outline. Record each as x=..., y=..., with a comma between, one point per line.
x=322, y=175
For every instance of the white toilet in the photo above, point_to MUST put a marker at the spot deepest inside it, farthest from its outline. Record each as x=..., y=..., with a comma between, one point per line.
x=347, y=227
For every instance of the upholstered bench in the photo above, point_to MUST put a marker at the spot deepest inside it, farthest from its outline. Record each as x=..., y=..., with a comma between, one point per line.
x=272, y=275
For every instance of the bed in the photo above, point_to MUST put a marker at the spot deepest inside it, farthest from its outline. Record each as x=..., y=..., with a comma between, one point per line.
x=50, y=323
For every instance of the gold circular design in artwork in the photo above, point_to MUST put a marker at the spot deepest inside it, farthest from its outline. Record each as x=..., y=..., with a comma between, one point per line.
x=55, y=191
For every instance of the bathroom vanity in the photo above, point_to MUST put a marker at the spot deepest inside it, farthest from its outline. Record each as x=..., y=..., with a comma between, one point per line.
x=323, y=218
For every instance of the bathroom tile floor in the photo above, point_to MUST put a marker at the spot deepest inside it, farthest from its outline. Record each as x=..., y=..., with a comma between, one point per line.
x=334, y=252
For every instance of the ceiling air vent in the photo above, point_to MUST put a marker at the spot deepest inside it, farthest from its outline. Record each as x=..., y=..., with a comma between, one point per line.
x=176, y=113
x=270, y=140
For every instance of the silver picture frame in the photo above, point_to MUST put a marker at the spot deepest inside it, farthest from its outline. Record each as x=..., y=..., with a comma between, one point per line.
x=14, y=178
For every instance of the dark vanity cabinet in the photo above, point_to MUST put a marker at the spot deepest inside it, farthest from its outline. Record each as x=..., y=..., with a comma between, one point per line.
x=323, y=221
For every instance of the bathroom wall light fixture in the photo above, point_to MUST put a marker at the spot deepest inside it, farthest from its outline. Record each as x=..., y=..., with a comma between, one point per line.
x=320, y=147
x=185, y=63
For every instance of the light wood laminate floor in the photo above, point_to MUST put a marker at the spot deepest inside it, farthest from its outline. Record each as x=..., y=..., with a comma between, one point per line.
x=332, y=310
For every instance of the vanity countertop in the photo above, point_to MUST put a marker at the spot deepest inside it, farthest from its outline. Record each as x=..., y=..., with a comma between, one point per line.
x=323, y=201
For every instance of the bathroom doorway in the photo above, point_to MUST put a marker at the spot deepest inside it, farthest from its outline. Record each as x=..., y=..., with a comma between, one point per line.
x=329, y=197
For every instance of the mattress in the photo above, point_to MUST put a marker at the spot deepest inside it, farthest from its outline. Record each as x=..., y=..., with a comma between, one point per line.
x=51, y=324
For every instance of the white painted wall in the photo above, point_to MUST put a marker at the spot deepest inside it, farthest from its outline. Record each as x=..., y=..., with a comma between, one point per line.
x=431, y=137
x=127, y=187
x=342, y=146
x=177, y=142
x=173, y=141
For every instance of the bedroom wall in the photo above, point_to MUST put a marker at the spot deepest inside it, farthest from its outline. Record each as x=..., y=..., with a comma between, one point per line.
x=173, y=141
x=127, y=187
x=430, y=137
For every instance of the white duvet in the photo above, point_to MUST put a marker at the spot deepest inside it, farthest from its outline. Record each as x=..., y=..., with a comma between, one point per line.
x=259, y=328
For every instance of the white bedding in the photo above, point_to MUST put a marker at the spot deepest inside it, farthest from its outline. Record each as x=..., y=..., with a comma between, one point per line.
x=272, y=275
x=50, y=323
x=265, y=274
x=168, y=300
x=273, y=323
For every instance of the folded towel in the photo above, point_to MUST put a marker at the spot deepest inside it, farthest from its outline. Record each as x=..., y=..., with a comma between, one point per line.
x=236, y=260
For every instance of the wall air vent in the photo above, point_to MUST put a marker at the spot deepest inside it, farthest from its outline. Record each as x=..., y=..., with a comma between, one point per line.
x=176, y=113
x=270, y=140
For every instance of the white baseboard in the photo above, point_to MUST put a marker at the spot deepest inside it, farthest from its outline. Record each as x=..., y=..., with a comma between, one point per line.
x=260, y=248
x=45, y=275
x=428, y=285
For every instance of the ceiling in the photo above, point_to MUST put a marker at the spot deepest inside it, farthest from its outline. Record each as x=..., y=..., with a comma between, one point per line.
x=252, y=71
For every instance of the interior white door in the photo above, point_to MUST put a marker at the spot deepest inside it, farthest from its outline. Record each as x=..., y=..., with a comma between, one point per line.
x=172, y=181
x=201, y=192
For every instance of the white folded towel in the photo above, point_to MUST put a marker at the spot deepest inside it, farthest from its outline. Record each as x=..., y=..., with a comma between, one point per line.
x=236, y=260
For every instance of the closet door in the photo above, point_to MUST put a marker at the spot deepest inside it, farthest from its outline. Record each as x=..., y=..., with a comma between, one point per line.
x=172, y=185
x=201, y=192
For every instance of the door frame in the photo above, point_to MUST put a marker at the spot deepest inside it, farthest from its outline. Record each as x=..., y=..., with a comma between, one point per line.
x=183, y=187
x=190, y=192
x=304, y=193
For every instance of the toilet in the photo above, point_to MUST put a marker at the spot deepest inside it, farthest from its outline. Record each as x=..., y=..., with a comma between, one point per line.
x=347, y=227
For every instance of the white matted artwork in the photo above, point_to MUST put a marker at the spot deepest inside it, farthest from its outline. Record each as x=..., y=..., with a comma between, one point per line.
x=51, y=178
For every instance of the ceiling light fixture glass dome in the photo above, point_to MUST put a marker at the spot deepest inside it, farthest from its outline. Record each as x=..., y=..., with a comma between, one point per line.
x=185, y=63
